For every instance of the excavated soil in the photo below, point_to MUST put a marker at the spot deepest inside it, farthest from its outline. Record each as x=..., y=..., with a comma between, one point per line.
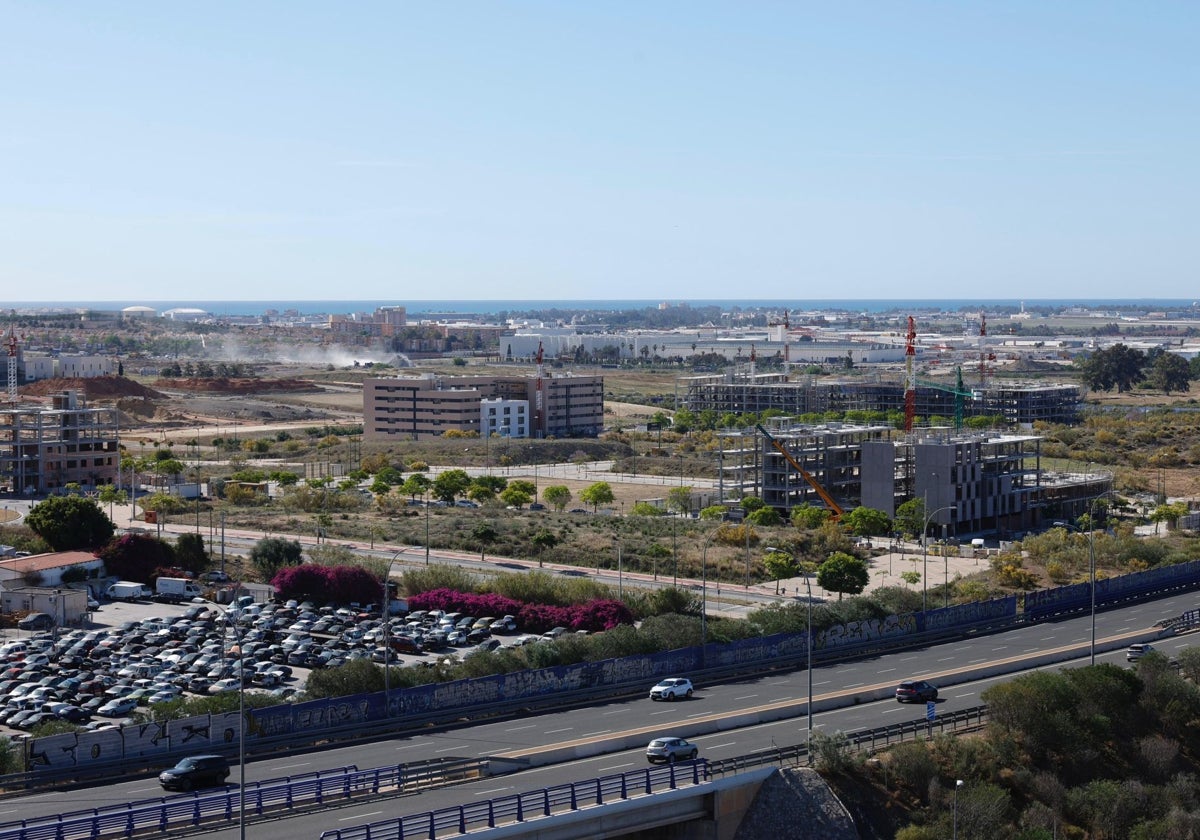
x=224, y=385
x=96, y=387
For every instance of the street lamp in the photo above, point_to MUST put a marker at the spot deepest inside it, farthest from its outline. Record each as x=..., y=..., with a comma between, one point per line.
x=1091, y=570
x=925, y=550
x=704, y=593
x=808, y=663
x=231, y=621
x=957, y=784
x=387, y=633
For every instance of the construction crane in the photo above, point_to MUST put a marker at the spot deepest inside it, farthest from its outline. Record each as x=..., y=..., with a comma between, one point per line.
x=959, y=391
x=835, y=510
x=985, y=355
x=910, y=375
x=12, y=365
x=538, y=398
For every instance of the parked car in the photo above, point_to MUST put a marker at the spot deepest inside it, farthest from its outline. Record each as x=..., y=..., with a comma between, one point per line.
x=508, y=624
x=36, y=621
x=194, y=772
x=916, y=691
x=668, y=750
x=672, y=688
x=117, y=707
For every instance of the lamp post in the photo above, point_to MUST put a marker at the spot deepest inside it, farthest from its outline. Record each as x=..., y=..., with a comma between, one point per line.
x=925, y=551
x=957, y=784
x=1091, y=535
x=704, y=593
x=387, y=634
x=232, y=622
x=426, y=528
x=808, y=663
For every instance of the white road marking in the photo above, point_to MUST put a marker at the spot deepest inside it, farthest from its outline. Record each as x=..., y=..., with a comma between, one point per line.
x=519, y=728
x=746, y=697
x=599, y=732
x=614, y=767
x=493, y=790
x=556, y=731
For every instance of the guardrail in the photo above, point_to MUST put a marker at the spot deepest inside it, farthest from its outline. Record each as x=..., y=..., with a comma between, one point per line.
x=868, y=740
x=209, y=809
x=523, y=807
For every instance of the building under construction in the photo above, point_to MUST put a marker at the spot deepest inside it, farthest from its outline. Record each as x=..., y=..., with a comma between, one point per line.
x=43, y=449
x=1017, y=404
x=971, y=483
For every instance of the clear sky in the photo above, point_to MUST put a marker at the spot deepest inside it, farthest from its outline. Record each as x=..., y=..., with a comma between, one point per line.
x=253, y=150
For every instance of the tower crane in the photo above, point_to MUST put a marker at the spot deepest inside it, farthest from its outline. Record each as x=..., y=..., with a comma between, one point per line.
x=910, y=375
x=985, y=355
x=12, y=365
x=959, y=391
x=538, y=398
x=835, y=510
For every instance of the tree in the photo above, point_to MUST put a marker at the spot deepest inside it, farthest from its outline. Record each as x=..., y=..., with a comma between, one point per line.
x=515, y=496
x=751, y=504
x=910, y=517
x=843, y=574
x=543, y=540
x=190, y=554
x=68, y=523
x=415, y=485
x=136, y=557
x=525, y=486
x=867, y=522
x=597, y=494
x=451, y=484
x=765, y=516
x=557, y=496
x=1170, y=372
x=679, y=499
x=110, y=495
x=271, y=554
x=780, y=565
x=808, y=517
x=485, y=535
x=1119, y=367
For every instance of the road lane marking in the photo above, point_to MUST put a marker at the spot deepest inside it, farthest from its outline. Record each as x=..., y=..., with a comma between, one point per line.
x=598, y=732
x=519, y=728
x=720, y=746
x=556, y=731
x=493, y=790
x=746, y=697
x=614, y=767
x=359, y=816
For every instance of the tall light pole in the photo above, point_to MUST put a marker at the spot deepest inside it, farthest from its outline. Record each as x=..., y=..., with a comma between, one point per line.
x=426, y=528
x=925, y=550
x=231, y=622
x=808, y=660
x=1091, y=535
x=387, y=633
x=957, y=784
x=704, y=594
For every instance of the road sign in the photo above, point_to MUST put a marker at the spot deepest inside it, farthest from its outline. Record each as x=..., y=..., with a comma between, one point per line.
x=930, y=711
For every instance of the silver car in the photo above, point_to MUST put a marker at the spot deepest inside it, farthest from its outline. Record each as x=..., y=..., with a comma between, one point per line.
x=670, y=750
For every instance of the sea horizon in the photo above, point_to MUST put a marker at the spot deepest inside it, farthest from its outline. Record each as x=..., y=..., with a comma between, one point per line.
x=244, y=308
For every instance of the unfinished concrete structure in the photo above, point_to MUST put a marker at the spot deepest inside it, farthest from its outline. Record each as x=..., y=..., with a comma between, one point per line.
x=971, y=483
x=44, y=449
x=1017, y=404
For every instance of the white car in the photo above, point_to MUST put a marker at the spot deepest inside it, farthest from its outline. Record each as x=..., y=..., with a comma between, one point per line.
x=672, y=688
x=225, y=685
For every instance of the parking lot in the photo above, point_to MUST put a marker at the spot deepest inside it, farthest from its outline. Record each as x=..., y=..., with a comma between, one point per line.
x=134, y=654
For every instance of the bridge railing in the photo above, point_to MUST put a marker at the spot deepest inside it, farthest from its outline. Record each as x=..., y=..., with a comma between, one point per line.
x=531, y=805
x=163, y=814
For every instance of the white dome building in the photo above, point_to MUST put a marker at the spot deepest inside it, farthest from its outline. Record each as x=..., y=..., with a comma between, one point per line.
x=138, y=312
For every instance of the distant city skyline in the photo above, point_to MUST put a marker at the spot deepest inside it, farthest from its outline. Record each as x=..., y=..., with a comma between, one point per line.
x=562, y=151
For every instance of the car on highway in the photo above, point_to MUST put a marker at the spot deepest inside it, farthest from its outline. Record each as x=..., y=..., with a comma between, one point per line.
x=195, y=772
x=672, y=688
x=1135, y=652
x=916, y=691
x=669, y=750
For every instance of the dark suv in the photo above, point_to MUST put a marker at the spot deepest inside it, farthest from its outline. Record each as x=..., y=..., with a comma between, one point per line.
x=916, y=691
x=195, y=772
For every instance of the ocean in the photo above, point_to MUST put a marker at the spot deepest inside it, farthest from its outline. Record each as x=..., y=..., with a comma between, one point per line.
x=415, y=308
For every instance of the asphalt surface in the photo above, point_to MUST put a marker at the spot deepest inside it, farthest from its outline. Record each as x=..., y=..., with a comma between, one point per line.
x=653, y=719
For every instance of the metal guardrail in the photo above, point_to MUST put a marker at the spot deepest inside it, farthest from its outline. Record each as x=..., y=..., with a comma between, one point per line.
x=523, y=807
x=860, y=740
x=211, y=809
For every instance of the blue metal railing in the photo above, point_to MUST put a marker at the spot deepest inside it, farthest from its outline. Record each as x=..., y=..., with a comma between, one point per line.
x=523, y=807
x=210, y=808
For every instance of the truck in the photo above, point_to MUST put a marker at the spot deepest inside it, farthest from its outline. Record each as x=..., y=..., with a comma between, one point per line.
x=176, y=589
x=126, y=590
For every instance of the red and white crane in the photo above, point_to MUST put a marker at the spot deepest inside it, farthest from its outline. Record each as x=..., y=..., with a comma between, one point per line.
x=538, y=398
x=910, y=375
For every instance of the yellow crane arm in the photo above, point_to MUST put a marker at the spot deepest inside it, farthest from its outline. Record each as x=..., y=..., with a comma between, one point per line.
x=835, y=509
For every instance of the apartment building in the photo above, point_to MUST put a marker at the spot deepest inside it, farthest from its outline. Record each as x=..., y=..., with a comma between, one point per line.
x=44, y=449
x=419, y=408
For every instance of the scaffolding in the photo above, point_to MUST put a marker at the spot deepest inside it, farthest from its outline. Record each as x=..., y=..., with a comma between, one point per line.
x=45, y=449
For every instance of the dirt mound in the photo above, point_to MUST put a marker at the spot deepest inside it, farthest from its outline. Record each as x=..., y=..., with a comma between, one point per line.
x=224, y=385
x=96, y=387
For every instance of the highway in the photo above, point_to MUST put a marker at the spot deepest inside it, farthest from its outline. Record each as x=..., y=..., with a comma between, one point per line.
x=651, y=719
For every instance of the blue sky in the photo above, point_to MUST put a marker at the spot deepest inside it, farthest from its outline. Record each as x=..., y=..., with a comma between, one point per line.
x=656, y=150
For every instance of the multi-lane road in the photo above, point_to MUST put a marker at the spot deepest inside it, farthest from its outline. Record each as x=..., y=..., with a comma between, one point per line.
x=608, y=721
